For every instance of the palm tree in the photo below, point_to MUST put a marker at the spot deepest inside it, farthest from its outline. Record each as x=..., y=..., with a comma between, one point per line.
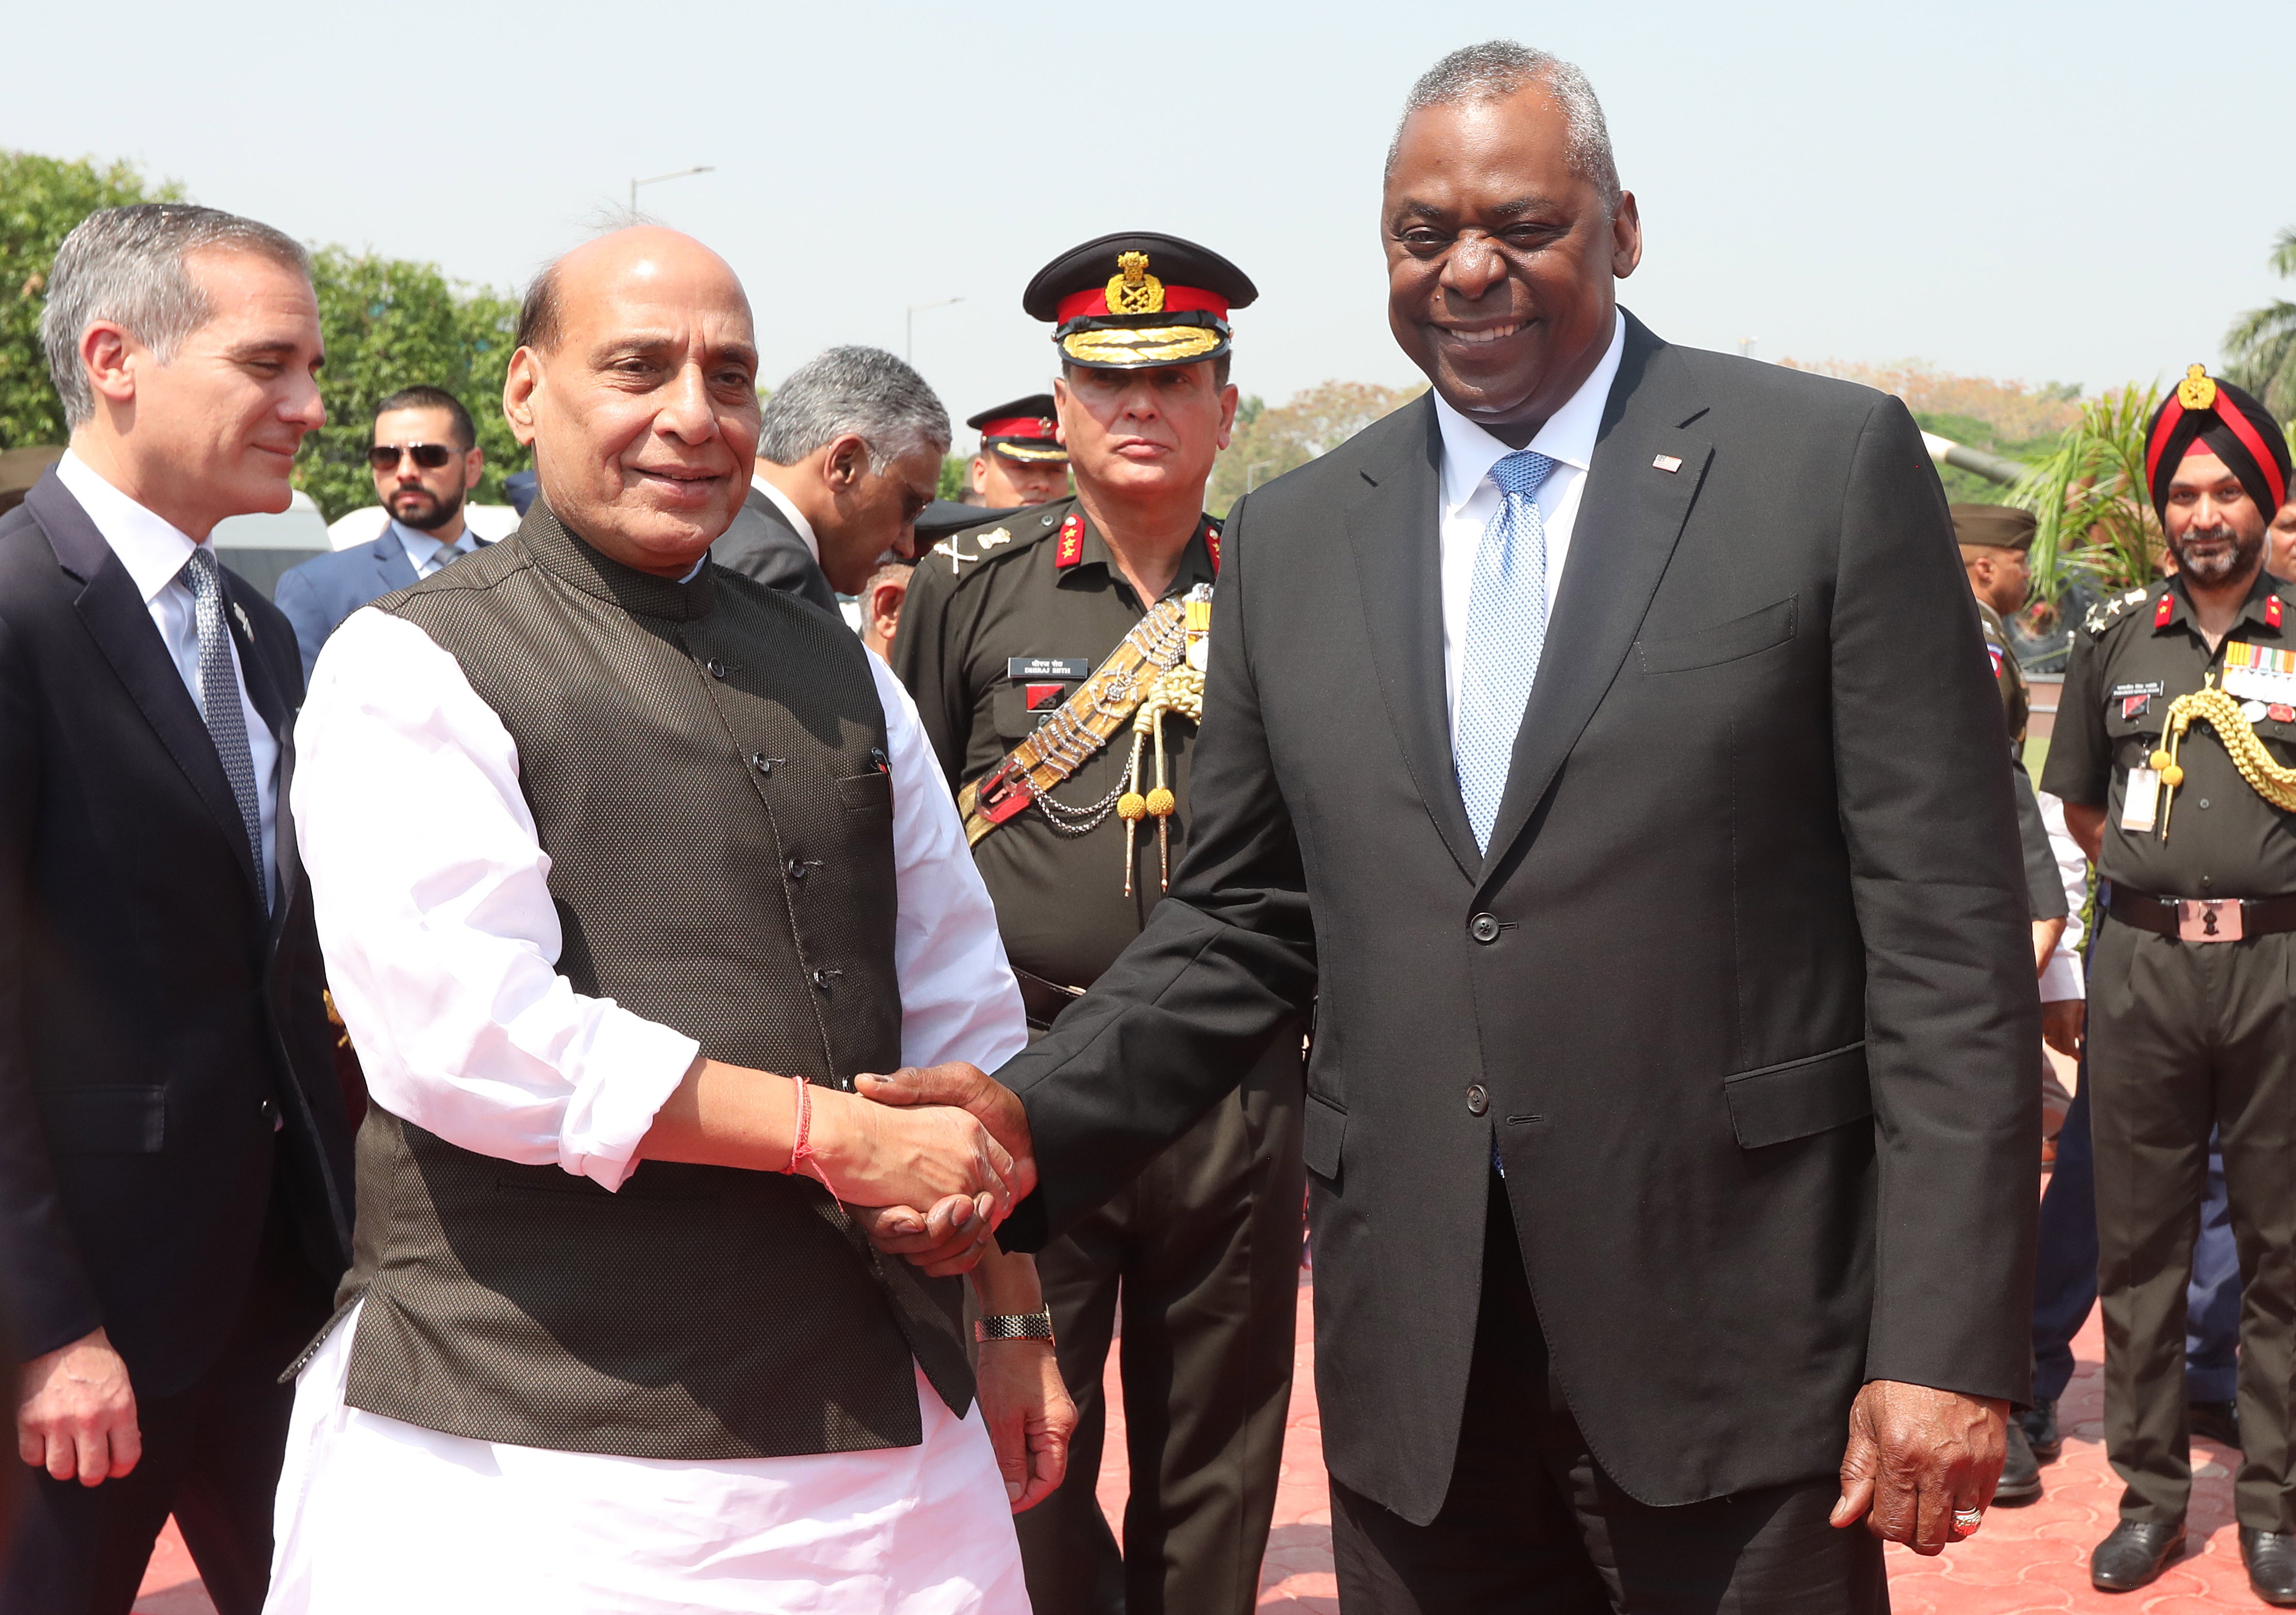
x=2260, y=346
x=2097, y=526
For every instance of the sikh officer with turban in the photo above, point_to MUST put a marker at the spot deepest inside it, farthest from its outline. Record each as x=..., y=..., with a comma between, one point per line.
x=2175, y=753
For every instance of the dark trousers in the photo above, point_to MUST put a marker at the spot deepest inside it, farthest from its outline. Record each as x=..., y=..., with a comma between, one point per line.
x=212, y=1457
x=1532, y=1526
x=1203, y=1253
x=2065, y=1275
x=2187, y=1038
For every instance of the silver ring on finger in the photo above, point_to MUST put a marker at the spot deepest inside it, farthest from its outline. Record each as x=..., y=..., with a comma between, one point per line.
x=1965, y=1522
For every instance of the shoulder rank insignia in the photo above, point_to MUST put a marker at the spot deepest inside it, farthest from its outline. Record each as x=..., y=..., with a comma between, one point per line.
x=956, y=557
x=1212, y=542
x=2272, y=609
x=2164, y=611
x=989, y=540
x=2101, y=614
x=1071, y=542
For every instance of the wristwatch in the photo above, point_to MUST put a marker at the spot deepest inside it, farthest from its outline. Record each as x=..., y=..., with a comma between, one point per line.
x=1035, y=1326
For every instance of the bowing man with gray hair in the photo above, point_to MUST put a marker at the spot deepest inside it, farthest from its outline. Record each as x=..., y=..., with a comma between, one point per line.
x=848, y=456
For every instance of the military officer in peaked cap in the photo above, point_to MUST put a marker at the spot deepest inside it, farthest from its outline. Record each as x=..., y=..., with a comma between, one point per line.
x=1057, y=657
x=2173, y=753
x=1022, y=460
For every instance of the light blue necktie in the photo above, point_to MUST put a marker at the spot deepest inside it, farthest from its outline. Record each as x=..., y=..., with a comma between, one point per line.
x=1506, y=630
x=219, y=703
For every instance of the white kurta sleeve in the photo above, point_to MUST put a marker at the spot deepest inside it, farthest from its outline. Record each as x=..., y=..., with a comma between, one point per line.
x=2061, y=977
x=958, y=998
x=435, y=915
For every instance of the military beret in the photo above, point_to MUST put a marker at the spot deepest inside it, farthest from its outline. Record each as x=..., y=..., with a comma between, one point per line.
x=1135, y=299
x=1994, y=527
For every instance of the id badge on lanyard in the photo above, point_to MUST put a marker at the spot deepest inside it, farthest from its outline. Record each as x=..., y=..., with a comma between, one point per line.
x=2140, y=803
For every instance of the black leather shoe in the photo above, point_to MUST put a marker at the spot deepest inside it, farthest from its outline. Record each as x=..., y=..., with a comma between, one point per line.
x=2270, y=1557
x=2040, y=1422
x=2135, y=1554
x=2217, y=1421
x=2020, y=1472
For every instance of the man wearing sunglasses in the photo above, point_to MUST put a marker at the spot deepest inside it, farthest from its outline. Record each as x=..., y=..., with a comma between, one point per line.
x=426, y=461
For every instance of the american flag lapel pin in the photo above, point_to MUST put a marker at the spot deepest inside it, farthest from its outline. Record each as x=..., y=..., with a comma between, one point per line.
x=1667, y=463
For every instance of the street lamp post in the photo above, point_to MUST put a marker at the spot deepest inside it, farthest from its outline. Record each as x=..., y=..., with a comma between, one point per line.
x=909, y=326
x=1251, y=473
x=656, y=179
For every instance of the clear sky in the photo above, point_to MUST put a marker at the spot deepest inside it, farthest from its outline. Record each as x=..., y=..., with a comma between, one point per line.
x=2052, y=191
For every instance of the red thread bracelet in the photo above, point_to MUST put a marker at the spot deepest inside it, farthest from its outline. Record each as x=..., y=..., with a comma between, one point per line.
x=801, y=1155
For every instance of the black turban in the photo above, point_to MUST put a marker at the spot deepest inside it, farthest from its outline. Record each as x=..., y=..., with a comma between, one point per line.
x=2229, y=424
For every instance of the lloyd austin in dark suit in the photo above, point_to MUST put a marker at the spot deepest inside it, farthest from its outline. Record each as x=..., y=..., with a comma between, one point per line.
x=1673, y=1110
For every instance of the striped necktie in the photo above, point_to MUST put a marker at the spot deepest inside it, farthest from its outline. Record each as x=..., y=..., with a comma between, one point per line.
x=220, y=702
x=1507, y=631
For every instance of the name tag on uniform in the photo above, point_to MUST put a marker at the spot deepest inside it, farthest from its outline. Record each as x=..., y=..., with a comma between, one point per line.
x=1051, y=669
x=2140, y=803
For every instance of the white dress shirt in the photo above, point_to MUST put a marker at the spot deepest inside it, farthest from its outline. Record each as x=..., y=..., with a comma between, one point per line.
x=442, y=953
x=1469, y=499
x=155, y=551
x=425, y=553
x=796, y=517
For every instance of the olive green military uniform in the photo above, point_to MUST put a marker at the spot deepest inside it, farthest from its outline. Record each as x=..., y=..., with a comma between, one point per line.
x=1204, y=1247
x=2185, y=1035
x=2045, y=892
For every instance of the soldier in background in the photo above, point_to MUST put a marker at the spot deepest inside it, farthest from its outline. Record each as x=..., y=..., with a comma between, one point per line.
x=2171, y=752
x=1996, y=544
x=1021, y=459
x=1006, y=629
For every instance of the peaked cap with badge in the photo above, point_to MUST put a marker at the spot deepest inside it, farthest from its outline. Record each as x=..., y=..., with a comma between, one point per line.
x=2212, y=413
x=1022, y=429
x=1136, y=299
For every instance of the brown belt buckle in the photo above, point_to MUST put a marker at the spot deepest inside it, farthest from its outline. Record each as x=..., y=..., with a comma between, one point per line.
x=2216, y=921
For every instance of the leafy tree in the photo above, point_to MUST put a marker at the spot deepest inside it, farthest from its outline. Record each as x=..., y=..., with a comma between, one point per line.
x=1270, y=440
x=2261, y=344
x=389, y=323
x=41, y=199
x=956, y=472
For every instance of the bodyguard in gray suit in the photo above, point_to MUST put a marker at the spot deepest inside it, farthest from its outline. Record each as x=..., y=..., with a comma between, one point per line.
x=426, y=460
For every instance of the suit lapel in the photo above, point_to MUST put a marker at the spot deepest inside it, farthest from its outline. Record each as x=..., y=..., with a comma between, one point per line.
x=116, y=617
x=390, y=563
x=1629, y=518
x=1397, y=561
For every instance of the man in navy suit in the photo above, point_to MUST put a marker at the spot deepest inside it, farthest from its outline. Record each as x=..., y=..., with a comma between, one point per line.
x=426, y=461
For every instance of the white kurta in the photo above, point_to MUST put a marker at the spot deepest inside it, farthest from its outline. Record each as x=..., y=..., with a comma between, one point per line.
x=441, y=943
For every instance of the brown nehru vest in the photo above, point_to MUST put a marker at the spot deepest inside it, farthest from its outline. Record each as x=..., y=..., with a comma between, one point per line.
x=705, y=763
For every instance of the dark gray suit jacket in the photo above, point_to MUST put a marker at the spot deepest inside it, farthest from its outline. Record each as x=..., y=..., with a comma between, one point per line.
x=1744, y=990
x=762, y=544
